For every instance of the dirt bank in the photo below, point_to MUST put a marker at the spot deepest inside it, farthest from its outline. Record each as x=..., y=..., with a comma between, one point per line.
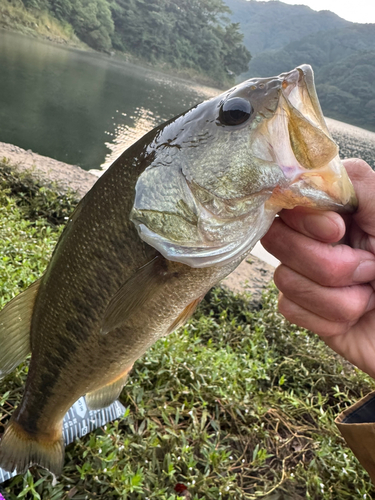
x=48, y=170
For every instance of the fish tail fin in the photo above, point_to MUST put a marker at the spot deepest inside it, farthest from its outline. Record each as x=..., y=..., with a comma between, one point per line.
x=20, y=450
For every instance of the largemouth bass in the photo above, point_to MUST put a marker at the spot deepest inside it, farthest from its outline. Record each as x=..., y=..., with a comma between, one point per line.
x=173, y=215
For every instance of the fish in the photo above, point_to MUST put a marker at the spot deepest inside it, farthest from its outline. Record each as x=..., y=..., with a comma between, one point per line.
x=174, y=214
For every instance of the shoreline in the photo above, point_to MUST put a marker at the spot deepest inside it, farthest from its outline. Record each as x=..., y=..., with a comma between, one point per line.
x=185, y=74
x=48, y=170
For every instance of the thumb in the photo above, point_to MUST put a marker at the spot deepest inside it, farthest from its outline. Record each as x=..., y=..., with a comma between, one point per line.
x=327, y=227
x=363, y=179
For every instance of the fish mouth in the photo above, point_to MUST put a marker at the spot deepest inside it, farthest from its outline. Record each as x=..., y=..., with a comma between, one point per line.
x=314, y=174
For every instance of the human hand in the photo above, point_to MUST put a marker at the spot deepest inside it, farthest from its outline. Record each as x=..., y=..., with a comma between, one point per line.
x=326, y=287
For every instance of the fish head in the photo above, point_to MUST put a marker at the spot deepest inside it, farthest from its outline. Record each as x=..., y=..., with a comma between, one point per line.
x=223, y=170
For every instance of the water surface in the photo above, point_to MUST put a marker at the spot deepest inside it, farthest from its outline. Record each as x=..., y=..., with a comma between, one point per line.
x=85, y=108
x=80, y=107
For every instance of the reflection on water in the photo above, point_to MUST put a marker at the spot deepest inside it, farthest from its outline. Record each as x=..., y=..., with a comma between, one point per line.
x=85, y=108
x=125, y=135
x=80, y=107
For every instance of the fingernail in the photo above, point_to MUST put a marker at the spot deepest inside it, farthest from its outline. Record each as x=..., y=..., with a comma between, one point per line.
x=365, y=272
x=323, y=227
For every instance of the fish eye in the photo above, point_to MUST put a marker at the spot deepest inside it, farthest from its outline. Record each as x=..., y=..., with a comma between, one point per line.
x=235, y=111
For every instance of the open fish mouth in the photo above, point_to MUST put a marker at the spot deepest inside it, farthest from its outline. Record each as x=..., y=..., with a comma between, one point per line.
x=232, y=163
x=315, y=176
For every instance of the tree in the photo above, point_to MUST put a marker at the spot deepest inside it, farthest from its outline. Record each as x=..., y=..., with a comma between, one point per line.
x=93, y=22
x=183, y=33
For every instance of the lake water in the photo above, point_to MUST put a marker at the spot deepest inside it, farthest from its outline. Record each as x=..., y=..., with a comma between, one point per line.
x=80, y=107
x=84, y=108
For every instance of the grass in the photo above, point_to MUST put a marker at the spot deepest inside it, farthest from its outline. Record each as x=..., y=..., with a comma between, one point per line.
x=238, y=404
x=33, y=22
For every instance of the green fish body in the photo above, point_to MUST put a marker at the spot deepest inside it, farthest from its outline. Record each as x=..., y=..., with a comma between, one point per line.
x=174, y=214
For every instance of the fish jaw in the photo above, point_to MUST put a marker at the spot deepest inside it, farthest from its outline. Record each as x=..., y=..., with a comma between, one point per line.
x=218, y=253
x=327, y=189
x=213, y=189
x=315, y=176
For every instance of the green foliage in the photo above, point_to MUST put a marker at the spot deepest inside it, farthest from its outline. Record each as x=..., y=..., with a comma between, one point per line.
x=238, y=404
x=342, y=53
x=183, y=33
x=272, y=25
x=319, y=50
x=15, y=16
x=35, y=200
x=31, y=218
x=349, y=90
x=92, y=22
x=193, y=35
x=62, y=9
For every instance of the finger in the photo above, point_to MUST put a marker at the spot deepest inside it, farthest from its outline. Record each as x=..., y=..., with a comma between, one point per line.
x=363, y=179
x=328, y=227
x=300, y=316
x=334, y=304
x=327, y=265
x=356, y=343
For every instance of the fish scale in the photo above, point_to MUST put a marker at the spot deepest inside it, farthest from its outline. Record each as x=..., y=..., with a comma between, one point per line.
x=173, y=215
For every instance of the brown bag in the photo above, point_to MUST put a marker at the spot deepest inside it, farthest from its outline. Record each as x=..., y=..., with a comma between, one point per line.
x=357, y=425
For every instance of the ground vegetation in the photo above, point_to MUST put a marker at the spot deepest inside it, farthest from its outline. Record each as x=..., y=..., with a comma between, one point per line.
x=238, y=404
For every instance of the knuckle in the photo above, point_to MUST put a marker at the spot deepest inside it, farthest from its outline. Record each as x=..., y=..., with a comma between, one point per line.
x=335, y=328
x=352, y=303
x=280, y=277
x=331, y=276
x=353, y=311
x=336, y=271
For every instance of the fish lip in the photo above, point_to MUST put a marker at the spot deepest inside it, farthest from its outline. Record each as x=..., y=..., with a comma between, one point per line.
x=330, y=189
x=322, y=186
x=340, y=197
x=307, y=74
x=303, y=76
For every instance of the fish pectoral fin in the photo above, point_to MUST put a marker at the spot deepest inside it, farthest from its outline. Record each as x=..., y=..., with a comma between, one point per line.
x=15, y=321
x=185, y=315
x=105, y=396
x=135, y=293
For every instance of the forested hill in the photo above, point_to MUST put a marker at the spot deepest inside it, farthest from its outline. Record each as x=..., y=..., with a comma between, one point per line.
x=318, y=49
x=282, y=36
x=196, y=35
x=193, y=34
x=272, y=25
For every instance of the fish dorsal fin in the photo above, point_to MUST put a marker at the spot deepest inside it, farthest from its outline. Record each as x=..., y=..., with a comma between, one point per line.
x=135, y=293
x=15, y=321
x=105, y=396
